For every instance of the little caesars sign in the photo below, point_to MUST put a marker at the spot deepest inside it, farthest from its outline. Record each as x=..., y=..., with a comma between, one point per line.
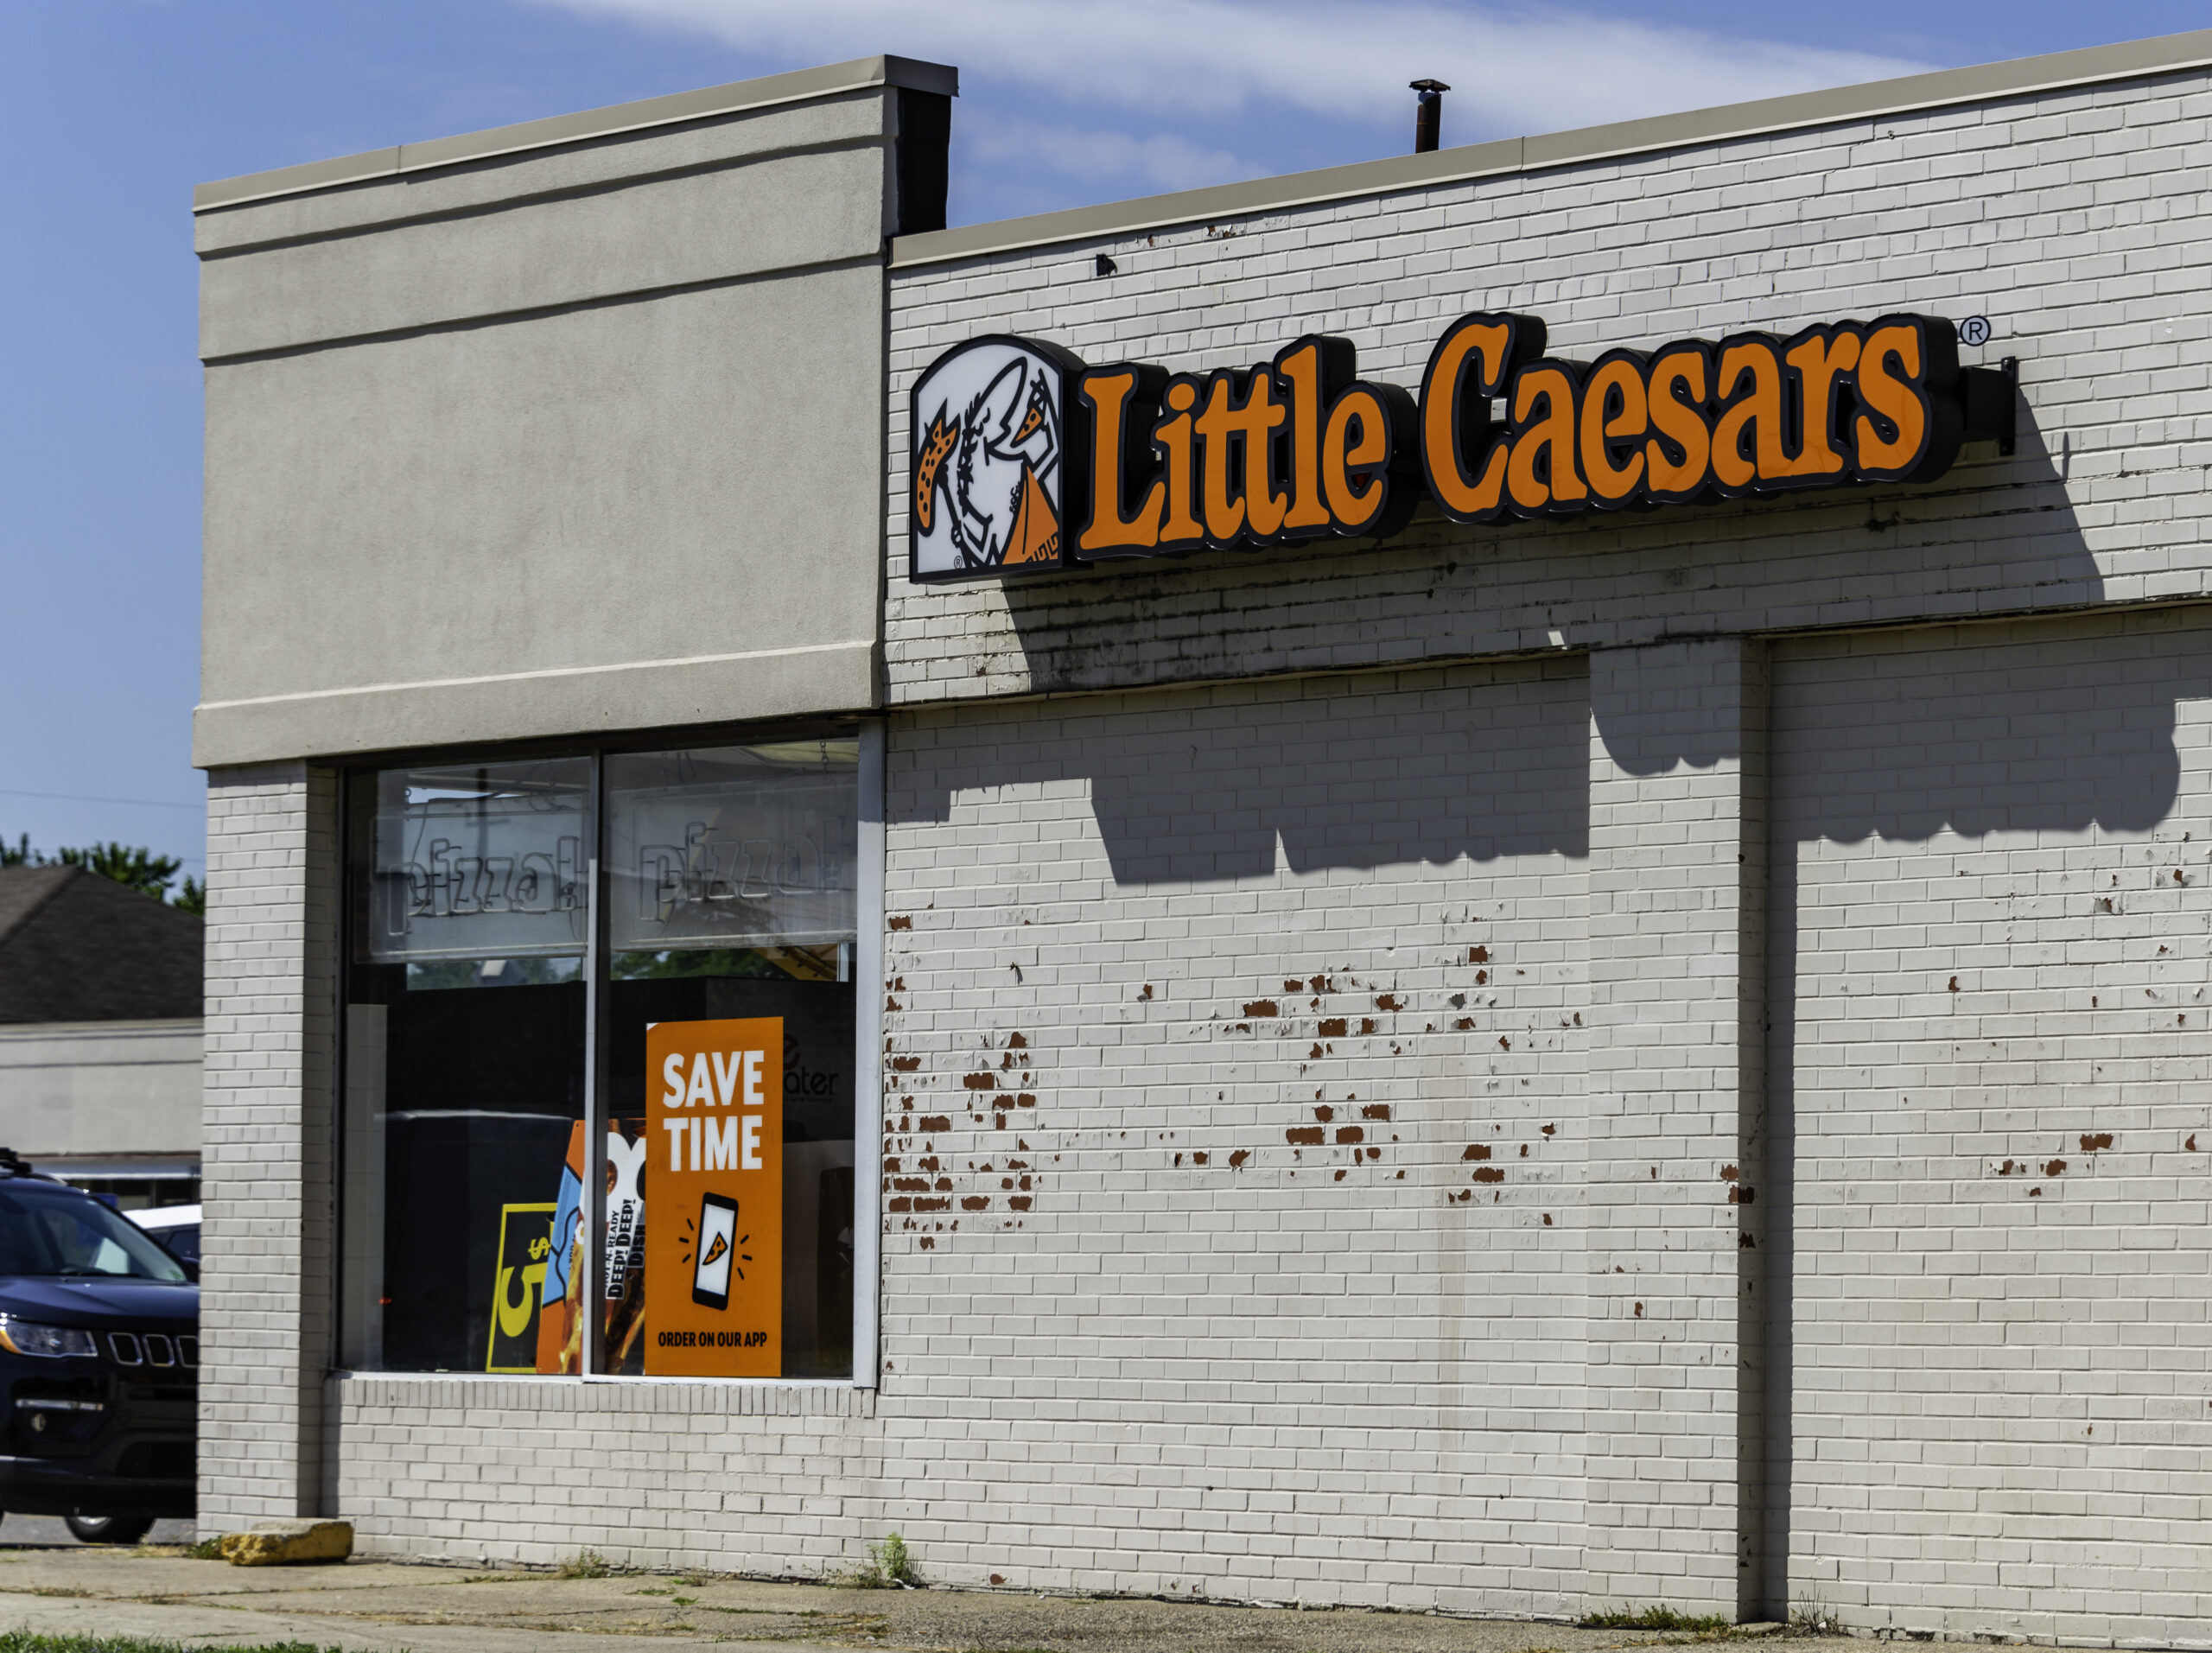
x=1025, y=461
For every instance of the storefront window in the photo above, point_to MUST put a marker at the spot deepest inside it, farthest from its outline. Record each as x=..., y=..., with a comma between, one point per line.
x=722, y=996
x=730, y=1051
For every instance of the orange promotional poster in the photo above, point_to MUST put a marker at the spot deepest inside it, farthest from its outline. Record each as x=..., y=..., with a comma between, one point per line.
x=715, y=1249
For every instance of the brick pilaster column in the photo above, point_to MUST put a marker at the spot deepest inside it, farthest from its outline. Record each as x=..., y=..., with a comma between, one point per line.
x=265, y=1314
x=1677, y=919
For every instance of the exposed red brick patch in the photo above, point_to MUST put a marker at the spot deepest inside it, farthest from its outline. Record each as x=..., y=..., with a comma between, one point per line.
x=1465, y=1024
x=1019, y=1202
x=1237, y=1159
x=1350, y=1134
x=1476, y=1151
x=2091, y=1144
x=1306, y=1136
x=902, y=1205
x=1374, y=1110
x=1503, y=1043
x=904, y=1063
x=1262, y=1008
x=1325, y=1113
x=1479, y=955
x=1199, y=1158
x=936, y=1122
x=932, y=1204
x=2055, y=1169
x=1334, y=1027
x=902, y=923
x=1025, y=1100
x=976, y=1203
x=1017, y=1043
x=1727, y=1173
x=981, y=1081
x=1550, y=1129
x=1388, y=1002
x=1489, y=1174
x=1367, y=1024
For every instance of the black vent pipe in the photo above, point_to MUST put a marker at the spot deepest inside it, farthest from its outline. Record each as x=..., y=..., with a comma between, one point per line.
x=1428, y=114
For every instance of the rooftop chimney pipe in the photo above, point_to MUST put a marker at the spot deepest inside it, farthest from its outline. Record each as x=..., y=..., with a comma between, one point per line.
x=1427, y=113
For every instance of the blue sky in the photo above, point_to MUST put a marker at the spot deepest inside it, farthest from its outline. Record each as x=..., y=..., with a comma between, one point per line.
x=111, y=110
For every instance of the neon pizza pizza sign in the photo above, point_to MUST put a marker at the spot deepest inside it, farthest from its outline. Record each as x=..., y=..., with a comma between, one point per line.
x=1025, y=461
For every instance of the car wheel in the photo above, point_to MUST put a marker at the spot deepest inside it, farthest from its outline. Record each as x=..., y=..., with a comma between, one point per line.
x=109, y=1530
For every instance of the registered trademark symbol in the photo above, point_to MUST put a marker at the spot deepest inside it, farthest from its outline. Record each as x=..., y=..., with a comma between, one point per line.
x=1975, y=330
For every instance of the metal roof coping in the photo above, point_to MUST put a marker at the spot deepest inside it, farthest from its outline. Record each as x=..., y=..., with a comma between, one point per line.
x=739, y=96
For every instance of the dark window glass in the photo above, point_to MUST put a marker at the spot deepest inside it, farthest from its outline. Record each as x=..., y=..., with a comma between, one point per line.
x=48, y=1229
x=464, y=1060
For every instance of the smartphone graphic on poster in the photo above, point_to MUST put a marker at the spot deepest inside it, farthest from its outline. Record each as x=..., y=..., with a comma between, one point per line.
x=717, y=1250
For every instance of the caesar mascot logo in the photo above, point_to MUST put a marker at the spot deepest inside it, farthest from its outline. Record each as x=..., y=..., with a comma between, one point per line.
x=989, y=433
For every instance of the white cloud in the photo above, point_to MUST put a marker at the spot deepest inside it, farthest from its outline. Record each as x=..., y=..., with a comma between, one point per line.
x=1161, y=161
x=1510, y=72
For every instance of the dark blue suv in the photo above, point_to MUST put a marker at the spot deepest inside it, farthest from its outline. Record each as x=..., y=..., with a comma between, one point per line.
x=100, y=1362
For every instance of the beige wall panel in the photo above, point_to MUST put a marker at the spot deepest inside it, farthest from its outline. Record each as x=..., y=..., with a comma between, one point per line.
x=442, y=538
x=806, y=209
x=100, y=1087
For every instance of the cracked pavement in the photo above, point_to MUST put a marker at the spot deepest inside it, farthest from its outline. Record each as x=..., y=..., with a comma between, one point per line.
x=380, y=1605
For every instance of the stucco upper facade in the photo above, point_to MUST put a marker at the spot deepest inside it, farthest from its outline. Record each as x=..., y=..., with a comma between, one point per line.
x=492, y=422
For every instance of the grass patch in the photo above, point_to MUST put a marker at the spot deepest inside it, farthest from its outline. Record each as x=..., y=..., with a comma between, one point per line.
x=1651, y=1617
x=584, y=1564
x=207, y=1550
x=1815, y=1618
x=889, y=1567
x=26, y=1642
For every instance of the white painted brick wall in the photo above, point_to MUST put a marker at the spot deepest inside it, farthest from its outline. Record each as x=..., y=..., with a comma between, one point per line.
x=2000, y=1421
x=1677, y=918
x=1227, y=1349
x=265, y=1179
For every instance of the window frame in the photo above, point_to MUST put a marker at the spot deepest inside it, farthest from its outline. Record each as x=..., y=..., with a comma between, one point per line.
x=868, y=1025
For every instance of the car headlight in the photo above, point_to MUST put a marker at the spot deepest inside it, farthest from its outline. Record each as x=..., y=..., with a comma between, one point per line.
x=29, y=1338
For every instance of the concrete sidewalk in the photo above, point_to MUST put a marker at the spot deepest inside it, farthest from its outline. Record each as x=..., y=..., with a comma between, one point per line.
x=382, y=1605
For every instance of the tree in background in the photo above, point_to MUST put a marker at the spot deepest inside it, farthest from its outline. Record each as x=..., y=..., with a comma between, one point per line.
x=132, y=866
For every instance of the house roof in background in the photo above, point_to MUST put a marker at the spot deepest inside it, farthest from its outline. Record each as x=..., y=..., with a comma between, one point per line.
x=77, y=947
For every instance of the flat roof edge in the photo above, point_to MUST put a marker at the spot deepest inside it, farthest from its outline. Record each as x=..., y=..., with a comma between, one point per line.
x=1937, y=88
x=739, y=96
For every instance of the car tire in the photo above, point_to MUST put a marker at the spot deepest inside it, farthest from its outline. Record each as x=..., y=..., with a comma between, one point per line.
x=109, y=1530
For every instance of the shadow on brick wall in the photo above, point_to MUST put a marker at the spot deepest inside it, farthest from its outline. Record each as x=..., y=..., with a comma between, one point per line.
x=1474, y=763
